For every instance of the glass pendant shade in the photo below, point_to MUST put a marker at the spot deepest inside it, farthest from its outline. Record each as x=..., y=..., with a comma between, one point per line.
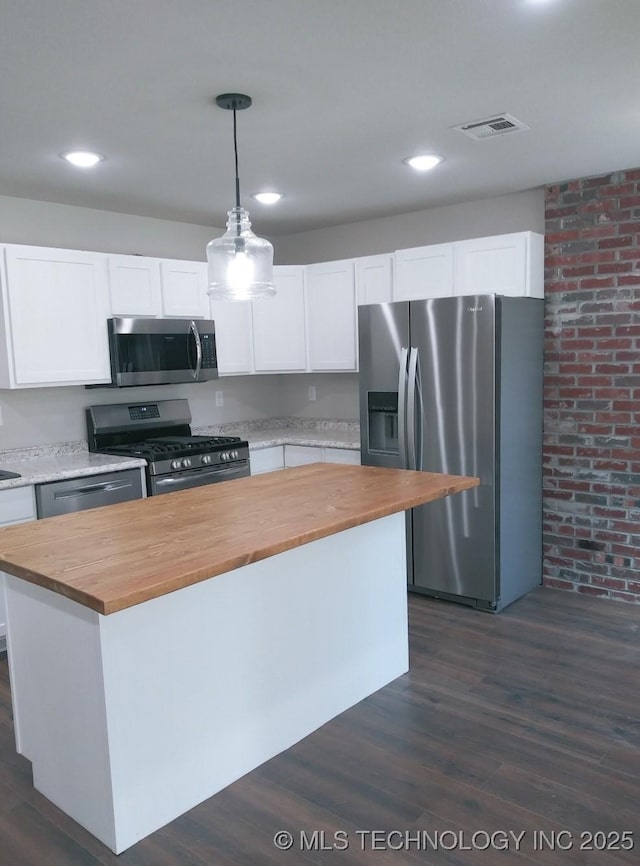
x=240, y=264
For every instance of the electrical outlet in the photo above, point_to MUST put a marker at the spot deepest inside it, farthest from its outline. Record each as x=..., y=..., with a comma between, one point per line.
x=312, y=392
x=219, y=398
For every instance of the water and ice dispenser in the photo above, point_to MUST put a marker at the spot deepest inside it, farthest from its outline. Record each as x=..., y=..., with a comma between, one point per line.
x=383, y=421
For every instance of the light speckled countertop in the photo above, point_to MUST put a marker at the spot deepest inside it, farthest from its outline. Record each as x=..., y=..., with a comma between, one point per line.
x=269, y=432
x=57, y=462
x=41, y=464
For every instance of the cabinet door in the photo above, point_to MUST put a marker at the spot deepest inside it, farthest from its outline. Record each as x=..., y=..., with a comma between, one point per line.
x=278, y=324
x=266, y=460
x=374, y=279
x=341, y=455
x=17, y=505
x=331, y=316
x=58, y=302
x=510, y=264
x=184, y=289
x=234, y=336
x=134, y=286
x=300, y=455
x=424, y=272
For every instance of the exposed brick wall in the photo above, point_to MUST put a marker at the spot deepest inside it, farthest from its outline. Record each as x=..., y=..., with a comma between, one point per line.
x=592, y=386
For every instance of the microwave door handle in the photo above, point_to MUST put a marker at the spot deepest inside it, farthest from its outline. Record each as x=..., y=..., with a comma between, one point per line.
x=193, y=329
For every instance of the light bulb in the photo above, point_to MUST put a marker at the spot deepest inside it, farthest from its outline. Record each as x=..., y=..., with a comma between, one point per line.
x=240, y=272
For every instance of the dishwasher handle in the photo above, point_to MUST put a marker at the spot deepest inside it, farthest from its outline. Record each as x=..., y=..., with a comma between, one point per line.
x=105, y=487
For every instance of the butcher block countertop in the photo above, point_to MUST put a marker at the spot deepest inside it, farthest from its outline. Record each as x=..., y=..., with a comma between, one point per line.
x=118, y=556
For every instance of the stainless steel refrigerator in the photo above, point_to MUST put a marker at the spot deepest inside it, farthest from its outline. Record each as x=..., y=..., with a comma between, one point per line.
x=454, y=385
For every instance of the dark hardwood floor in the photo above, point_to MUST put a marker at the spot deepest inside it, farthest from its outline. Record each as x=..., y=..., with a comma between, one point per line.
x=524, y=722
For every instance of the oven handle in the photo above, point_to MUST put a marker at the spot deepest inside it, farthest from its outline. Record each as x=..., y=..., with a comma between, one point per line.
x=193, y=328
x=239, y=468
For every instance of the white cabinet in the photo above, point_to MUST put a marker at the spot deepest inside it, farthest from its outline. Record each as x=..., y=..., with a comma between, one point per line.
x=134, y=286
x=300, y=455
x=331, y=316
x=17, y=505
x=510, y=264
x=183, y=287
x=374, y=279
x=147, y=287
x=424, y=272
x=279, y=324
x=54, y=306
x=266, y=460
x=341, y=455
x=234, y=336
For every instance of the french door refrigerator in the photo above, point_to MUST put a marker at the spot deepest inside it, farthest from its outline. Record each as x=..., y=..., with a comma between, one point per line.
x=454, y=385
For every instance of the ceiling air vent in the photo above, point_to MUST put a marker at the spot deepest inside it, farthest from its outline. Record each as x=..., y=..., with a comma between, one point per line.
x=499, y=124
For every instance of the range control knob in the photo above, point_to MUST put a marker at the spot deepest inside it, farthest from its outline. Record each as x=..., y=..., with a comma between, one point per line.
x=186, y=462
x=175, y=464
x=206, y=459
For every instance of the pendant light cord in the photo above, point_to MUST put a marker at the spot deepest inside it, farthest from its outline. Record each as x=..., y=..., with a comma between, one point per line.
x=235, y=151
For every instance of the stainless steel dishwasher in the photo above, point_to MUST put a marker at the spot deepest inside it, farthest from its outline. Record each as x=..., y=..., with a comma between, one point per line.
x=79, y=494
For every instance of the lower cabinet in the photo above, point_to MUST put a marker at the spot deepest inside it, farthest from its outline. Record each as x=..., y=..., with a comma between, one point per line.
x=266, y=460
x=341, y=455
x=299, y=455
x=279, y=457
x=17, y=505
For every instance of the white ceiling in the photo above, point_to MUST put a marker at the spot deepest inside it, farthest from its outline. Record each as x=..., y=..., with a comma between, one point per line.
x=342, y=91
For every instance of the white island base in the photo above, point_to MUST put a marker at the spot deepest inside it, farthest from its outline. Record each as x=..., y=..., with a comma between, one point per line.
x=134, y=718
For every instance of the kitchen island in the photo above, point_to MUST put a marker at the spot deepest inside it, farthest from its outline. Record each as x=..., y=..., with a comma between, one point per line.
x=160, y=649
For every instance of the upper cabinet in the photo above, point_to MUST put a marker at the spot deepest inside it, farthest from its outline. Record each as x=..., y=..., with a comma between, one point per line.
x=234, y=337
x=134, y=286
x=424, y=272
x=374, y=279
x=147, y=287
x=54, y=310
x=55, y=303
x=183, y=287
x=331, y=316
x=510, y=264
x=279, y=342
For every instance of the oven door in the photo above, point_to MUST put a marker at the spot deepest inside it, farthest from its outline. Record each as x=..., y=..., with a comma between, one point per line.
x=197, y=477
x=162, y=351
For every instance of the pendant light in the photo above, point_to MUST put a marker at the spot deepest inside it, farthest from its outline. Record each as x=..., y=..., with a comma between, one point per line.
x=239, y=264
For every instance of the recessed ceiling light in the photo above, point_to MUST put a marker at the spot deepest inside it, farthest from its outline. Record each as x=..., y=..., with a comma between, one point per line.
x=423, y=162
x=267, y=197
x=83, y=158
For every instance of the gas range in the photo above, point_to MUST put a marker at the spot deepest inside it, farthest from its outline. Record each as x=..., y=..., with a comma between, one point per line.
x=159, y=433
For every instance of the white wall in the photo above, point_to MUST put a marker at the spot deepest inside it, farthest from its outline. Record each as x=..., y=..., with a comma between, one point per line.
x=523, y=211
x=336, y=396
x=44, y=416
x=46, y=224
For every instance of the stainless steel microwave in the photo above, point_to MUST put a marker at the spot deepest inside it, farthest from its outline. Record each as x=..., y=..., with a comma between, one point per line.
x=161, y=351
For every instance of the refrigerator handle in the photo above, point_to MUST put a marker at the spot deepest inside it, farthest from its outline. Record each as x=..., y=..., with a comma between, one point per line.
x=411, y=408
x=402, y=409
x=414, y=405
